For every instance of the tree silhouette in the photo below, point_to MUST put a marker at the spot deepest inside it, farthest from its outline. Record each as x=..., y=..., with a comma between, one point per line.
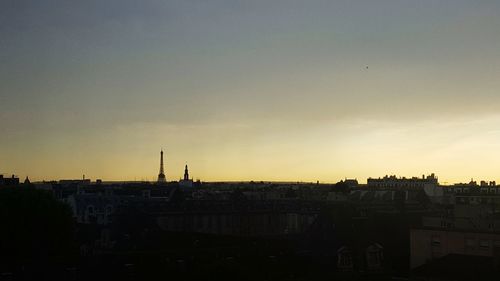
x=35, y=226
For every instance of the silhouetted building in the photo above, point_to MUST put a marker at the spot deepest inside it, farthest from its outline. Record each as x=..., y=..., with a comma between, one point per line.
x=457, y=267
x=403, y=183
x=186, y=181
x=467, y=229
x=82, y=182
x=351, y=183
x=93, y=208
x=247, y=218
x=429, y=184
x=9, y=181
x=472, y=188
x=428, y=244
x=161, y=176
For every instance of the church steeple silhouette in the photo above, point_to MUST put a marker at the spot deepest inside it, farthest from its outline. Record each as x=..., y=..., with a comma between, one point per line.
x=186, y=182
x=161, y=175
x=186, y=173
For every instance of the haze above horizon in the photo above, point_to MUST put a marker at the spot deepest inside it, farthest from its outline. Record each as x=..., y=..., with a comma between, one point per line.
x=269, y=90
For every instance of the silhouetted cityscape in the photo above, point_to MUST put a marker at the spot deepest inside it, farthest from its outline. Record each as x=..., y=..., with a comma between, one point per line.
x=392, y=227
x=257, y=140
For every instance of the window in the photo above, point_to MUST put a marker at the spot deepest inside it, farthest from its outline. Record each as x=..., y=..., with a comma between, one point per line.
x=484, y=244
x=344, y=261
x=436, y=241
x=374, y=256
x=469, y=242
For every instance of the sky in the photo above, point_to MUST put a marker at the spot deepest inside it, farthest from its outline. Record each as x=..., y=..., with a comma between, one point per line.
x=278, y=90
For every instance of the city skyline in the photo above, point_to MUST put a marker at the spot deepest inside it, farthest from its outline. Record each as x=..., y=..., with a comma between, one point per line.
x=260, y=90
x=162, y=178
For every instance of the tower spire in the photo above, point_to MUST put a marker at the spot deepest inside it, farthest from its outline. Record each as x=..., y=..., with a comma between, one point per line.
x=186, y=173
x=161, y=175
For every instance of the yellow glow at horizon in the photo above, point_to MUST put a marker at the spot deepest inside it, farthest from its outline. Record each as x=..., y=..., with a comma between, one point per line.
x=328, y=152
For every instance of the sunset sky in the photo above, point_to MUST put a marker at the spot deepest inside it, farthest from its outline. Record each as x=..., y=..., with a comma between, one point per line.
x=287, y=90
